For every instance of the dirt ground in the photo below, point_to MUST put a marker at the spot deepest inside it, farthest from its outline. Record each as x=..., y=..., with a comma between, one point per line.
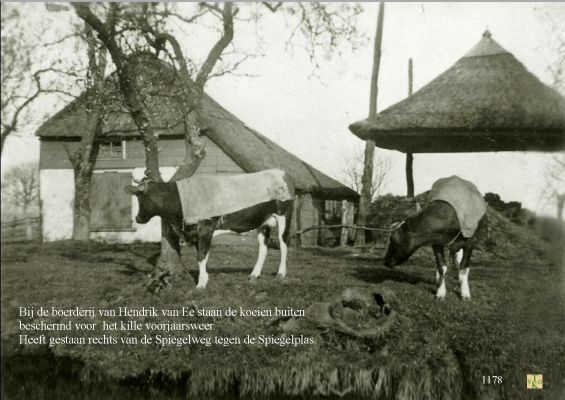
x=514, y=325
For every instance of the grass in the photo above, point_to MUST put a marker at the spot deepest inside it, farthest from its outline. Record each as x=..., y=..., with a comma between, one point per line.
x=513, y=325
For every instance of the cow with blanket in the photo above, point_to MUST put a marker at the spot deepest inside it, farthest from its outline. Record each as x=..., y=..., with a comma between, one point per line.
x=455, y=212
x=197, y=206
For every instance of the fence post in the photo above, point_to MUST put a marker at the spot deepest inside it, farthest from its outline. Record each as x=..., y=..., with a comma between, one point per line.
x=347, y=214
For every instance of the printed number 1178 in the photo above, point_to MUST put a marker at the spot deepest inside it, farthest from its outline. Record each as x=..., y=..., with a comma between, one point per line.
x=492, y=380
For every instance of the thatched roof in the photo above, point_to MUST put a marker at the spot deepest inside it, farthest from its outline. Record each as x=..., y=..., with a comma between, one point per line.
x=248, y=148
x=487, y=101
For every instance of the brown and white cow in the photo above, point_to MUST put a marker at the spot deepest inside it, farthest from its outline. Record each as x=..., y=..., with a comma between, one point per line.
x=436, y=226
x=456, y=212
x=163, y=200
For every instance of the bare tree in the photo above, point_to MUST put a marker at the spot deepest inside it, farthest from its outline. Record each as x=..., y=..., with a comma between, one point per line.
x=353, y=172
x=26, y=76
x=555, y=183
x=555, y=168
x=137, y=35
x=129, y=69
x=20, y=189
x=83, y=158
x=20, y=186
x=17, y=70
x=20, y=63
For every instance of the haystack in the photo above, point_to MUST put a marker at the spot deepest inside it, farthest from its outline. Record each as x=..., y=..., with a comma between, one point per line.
x=487, y=101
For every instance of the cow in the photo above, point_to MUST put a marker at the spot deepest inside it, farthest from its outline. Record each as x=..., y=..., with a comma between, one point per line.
x=164, y=200
x=438, y=225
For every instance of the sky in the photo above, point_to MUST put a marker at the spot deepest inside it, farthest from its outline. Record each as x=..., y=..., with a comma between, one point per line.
x=308, y=110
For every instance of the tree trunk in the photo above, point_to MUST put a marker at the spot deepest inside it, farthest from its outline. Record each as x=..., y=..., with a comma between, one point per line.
x=170, y=263
x=27, y=224
x=409, y=175
x=84, y=157
x=5, y=133
x=409, y=156
x=365, y=199
x=81, y=206
x=560, y=206
x=367, y=180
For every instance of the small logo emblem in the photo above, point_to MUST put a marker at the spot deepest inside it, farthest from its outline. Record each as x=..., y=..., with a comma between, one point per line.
x=534, y=381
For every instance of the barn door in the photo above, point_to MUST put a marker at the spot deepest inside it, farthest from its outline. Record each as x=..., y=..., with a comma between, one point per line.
x=110, y=205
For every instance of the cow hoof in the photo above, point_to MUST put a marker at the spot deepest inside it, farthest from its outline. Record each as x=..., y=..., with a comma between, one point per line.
x=440, y=297
x=200, y=287
x=466, y=298
x=253, y=278
x=281, y=277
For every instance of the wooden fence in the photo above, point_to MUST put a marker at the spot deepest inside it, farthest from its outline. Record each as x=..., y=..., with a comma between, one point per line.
x=21, y=229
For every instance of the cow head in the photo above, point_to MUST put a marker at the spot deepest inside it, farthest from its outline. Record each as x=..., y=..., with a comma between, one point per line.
x=148, y=206
x=400, y=246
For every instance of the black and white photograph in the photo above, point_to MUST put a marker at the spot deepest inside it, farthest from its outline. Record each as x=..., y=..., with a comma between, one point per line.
x=282, y=200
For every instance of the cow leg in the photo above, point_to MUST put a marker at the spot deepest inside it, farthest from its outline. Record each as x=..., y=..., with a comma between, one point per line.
x=205, y=233
x=283, y=231
x=456, y=257
x=263, y=234
x=441, y=271
x=464, y=272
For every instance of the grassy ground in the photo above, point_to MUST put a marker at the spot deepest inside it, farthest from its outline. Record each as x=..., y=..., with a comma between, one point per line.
x=514, y=325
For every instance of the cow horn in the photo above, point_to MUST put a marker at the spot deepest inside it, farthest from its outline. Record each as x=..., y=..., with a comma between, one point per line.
x=130, y=189
x=145, y=179
x=396, y=225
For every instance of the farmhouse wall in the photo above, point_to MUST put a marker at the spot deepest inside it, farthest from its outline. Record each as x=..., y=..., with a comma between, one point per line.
x=57, y=191
x=307, y=215
x=53, y=155
x=57, y=184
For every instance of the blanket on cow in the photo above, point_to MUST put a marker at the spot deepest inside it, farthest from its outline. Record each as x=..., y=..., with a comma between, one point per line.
x=204, y=197
x=464, y=197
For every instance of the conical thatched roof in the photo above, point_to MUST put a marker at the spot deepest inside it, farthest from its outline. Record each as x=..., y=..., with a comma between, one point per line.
x=248, y=148
x=487, y=101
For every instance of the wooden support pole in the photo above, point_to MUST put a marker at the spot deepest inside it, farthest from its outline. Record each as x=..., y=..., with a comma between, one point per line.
x=367, y=180
x=347, y=214
x=409, y=156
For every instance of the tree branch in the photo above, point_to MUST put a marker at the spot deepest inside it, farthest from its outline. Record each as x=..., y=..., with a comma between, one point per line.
x=217, y=50
x=11, y=127
x=103, y=30
x=271, y=7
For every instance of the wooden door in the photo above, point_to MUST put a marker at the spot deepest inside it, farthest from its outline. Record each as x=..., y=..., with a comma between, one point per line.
x=110, y=205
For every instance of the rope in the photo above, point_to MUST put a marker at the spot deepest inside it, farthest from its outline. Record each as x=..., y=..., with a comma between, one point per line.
x=453, y=240
x=345, y=226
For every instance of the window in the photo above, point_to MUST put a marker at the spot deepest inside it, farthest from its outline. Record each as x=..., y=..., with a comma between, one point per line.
x=114, y=149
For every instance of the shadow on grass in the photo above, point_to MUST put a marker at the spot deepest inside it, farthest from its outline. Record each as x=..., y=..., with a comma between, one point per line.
x=220, y=271
x=379, y=275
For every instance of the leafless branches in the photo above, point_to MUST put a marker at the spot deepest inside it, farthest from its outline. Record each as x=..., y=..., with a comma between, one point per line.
x=353, y=172
x=273, y=7
x=216, y=51
x=556, y=42
x=326, y=26
x=22, y=84
x=20, y=186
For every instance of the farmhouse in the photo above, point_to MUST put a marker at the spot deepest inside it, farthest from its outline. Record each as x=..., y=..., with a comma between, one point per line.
x=231, y=148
